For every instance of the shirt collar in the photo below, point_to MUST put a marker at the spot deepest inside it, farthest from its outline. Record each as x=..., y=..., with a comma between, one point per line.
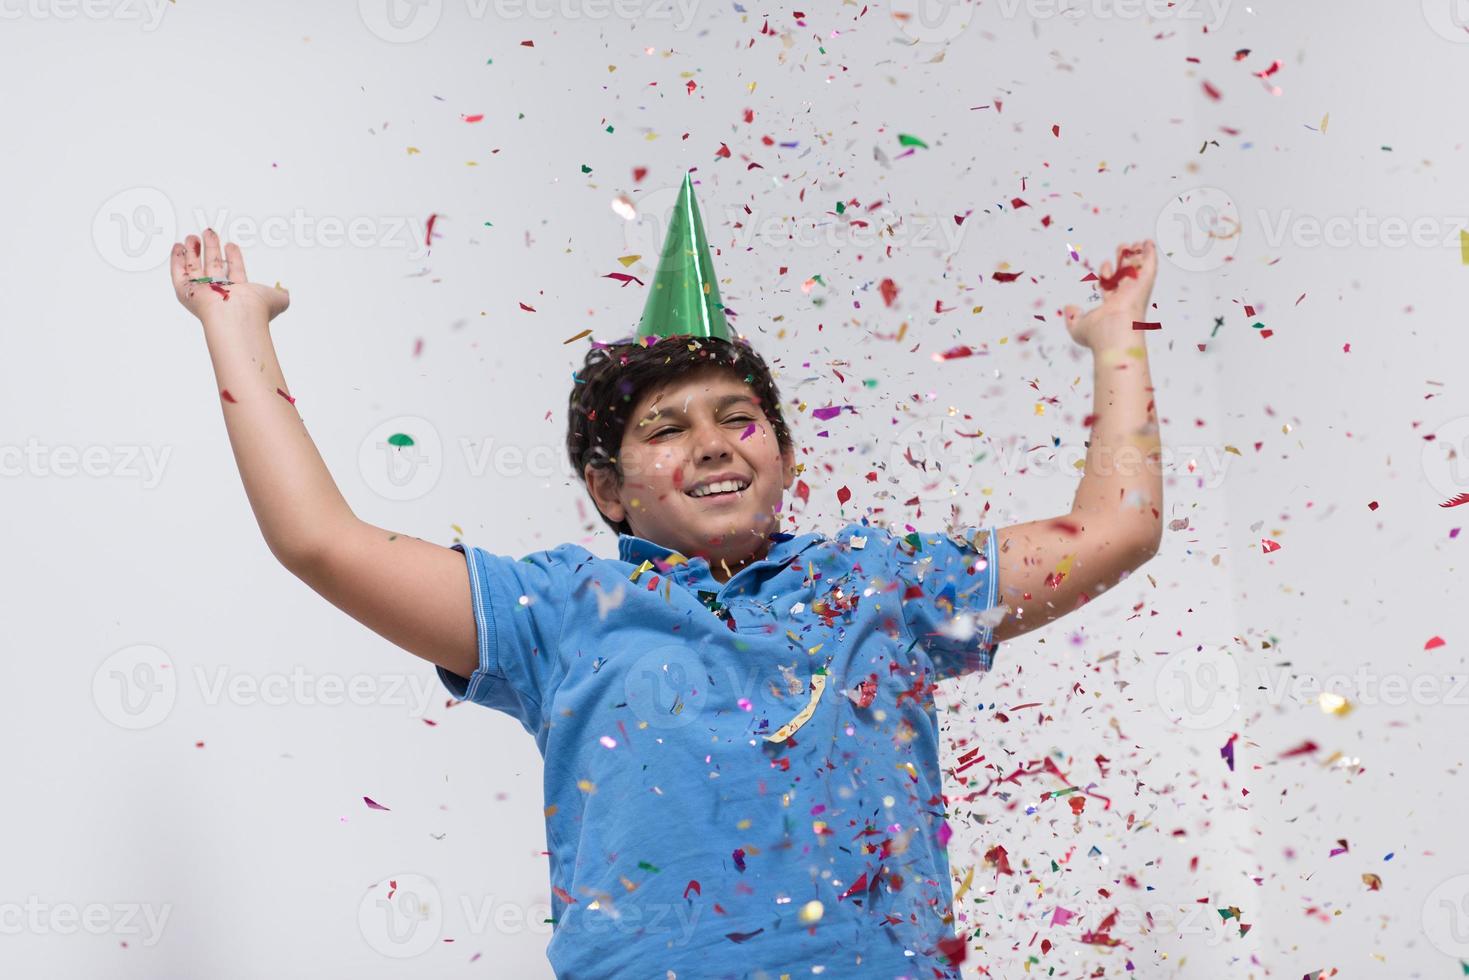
x=636, y=550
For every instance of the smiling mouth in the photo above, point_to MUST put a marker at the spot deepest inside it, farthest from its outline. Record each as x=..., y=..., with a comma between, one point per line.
x=722, y=495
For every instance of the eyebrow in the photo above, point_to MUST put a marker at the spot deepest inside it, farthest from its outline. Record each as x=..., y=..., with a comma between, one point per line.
x=719, y=405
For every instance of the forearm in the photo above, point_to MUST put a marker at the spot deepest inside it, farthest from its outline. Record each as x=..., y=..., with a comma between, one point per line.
x=1122, y=485
x=295, y=500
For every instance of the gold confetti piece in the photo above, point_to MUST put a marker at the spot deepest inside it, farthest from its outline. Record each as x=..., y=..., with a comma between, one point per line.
x=812, y=911
x=646, y=566
x=1334, y=704
x=584, y=333
x=586, y=785
x=628, y=260
x=818, y=684
x=968, y=880
x=1372, y=881
x=413, y=150
x=1464, y=245
x=1324, y=120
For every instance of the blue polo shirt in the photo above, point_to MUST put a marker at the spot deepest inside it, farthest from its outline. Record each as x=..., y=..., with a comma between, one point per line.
x=681, y=837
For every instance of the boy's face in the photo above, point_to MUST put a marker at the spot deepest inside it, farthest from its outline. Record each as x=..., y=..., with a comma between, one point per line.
x=681, y=436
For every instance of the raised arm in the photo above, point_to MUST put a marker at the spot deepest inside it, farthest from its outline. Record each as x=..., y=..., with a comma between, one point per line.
x=1048, y=568
x=411, y=592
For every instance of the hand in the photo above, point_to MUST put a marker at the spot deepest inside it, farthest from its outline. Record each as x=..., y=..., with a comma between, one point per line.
x=1125, y=296
x=213, y=300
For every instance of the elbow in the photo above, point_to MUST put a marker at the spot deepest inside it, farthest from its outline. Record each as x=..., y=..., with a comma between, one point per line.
x=296, y=556
x=1148, y=543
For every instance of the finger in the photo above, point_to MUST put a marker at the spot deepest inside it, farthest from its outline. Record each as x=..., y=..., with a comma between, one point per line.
x=191, y=256
x=213, y=257
x=1106, y=270
x=176, y=264
x=236, y=266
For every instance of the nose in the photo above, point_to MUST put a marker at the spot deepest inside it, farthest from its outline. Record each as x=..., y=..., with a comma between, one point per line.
x=712, y=442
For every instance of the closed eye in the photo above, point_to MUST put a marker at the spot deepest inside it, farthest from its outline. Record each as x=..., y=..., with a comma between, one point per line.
x=674, y=428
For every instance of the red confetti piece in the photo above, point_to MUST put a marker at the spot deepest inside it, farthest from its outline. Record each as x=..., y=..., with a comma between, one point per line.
x=1434, y=643
x=889, y=291
x=1212, y=92
x=477, y=117
x=865, y=692
x=428, y=238
x=859, y=885
x=623, y=278
x=1018, y=203
x=1007, y=276
x=373, y=804
x=739, y=937
x=843, y=495
x=999, y=858
x=220, y=290
x=954, y=352
x=528, y=309
x=1267, y=546
x=564, y=895
x=693, y=886
x=1460, y=500
x=285, y=396
x=1305, y=748
x=1056, y=131
x=1110, y=283
x=225, y=394
x=527, y=44
x=638, y=173
x=1146, y=325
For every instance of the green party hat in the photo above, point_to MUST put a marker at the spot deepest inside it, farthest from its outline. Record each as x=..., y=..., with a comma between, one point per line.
x=684, y=296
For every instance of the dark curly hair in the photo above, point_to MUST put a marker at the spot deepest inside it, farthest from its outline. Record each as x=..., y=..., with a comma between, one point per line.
x=616, y=375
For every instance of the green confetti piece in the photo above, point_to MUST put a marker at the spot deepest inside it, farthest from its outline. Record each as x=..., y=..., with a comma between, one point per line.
x=609, y=129
x=586, y=169
x=841, y=207
x=400, y=439
x=905, y=140
x=647, y=867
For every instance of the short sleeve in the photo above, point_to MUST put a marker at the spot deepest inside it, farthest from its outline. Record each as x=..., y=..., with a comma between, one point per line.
x=519, y=606
x=950, y=587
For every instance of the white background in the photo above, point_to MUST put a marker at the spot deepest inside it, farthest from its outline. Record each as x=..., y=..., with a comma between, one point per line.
x=126, y=127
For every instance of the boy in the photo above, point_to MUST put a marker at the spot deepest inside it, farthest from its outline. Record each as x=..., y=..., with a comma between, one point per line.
x=741, y=752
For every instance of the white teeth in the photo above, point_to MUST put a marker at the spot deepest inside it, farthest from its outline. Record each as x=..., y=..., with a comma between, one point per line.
x=726, y=487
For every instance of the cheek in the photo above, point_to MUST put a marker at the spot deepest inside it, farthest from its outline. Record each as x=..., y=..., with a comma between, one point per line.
x=653, y=470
